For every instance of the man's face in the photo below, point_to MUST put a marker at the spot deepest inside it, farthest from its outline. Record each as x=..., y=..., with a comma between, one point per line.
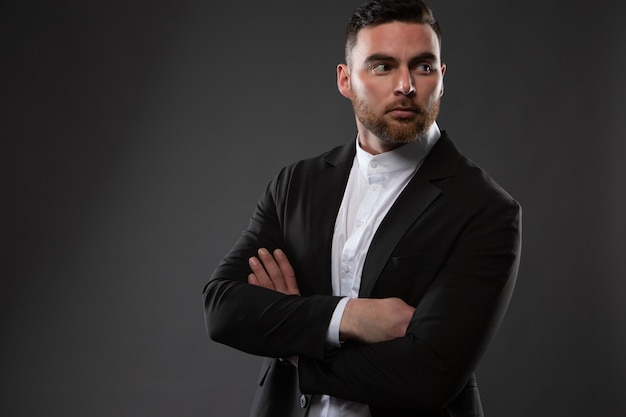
x=394, y=79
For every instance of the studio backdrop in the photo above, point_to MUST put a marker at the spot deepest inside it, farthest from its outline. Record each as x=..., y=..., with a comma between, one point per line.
x=138, y=136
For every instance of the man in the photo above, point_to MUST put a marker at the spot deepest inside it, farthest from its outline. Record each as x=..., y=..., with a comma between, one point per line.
x=374, y=276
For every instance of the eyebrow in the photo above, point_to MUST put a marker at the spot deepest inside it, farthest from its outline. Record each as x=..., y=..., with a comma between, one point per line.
x=426, y=56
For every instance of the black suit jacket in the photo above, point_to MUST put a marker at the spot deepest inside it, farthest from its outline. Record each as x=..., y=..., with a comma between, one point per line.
x=449, y=246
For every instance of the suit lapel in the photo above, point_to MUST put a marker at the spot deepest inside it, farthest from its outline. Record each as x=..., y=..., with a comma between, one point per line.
x=327, y=185
x=440, y=163
x=415, y=198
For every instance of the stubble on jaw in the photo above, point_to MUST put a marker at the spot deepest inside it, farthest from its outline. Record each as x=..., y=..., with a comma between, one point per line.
x=397, y=132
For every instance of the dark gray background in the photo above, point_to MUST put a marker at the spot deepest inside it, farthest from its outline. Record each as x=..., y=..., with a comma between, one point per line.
x=137, y=137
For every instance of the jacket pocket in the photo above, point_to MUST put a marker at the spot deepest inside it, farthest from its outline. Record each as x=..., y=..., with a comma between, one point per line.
x=417, y=261
x=407, y=276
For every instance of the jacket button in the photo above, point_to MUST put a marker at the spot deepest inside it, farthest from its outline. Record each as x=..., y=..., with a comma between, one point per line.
x=304, y=401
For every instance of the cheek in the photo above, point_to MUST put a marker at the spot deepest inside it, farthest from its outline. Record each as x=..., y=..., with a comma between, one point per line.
x=431, y=93
x=374, y=93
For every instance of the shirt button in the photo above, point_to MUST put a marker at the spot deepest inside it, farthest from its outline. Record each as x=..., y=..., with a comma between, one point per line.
x=304, y=401
x=374, y=164
x=373, y=187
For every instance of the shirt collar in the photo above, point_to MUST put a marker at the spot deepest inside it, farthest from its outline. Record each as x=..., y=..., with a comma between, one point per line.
x=406, y=157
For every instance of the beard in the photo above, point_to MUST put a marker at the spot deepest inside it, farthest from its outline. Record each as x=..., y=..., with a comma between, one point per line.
x=396, y=131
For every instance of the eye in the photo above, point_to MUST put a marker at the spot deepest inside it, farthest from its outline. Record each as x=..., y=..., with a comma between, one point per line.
x=381, y=68
x=424, y=68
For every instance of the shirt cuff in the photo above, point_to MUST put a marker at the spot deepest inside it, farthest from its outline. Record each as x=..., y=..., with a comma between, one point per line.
x=332, y=336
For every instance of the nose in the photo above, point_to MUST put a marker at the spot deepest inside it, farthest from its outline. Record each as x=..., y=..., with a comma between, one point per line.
x=405, y=84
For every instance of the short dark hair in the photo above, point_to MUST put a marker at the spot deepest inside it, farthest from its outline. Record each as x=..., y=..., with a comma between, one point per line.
x=377, y=12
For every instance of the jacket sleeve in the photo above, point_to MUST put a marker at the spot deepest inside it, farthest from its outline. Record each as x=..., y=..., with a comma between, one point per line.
x=454, y=321
x=257, y=320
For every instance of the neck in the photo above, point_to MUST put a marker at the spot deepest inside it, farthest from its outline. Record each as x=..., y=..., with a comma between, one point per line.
x=372, y=144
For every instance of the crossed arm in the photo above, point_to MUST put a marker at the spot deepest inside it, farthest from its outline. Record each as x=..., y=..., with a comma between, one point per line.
x=417, y=359
x=364, y=320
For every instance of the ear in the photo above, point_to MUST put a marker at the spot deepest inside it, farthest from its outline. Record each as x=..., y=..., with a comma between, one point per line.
x=343, y=81
x=443, y=72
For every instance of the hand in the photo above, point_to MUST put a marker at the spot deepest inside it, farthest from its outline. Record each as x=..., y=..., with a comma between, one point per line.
x=273, y=272
x=371, y=320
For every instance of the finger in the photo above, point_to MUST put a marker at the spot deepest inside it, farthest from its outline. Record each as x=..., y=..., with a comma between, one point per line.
x=288, y=273
x=252, y=279
x=260, y=275
x=273, y=270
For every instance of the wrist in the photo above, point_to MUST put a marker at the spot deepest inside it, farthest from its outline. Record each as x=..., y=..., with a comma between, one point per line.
x=347, y=326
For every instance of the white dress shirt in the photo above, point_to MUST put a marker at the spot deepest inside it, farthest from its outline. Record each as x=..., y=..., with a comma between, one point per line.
x=374, y=184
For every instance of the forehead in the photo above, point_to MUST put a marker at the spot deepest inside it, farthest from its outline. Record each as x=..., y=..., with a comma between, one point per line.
x=396, y=39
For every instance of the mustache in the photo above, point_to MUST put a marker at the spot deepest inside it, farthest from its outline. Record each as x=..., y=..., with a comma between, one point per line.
x=404, y=105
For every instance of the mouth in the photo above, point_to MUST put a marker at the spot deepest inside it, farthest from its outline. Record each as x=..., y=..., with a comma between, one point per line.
x=403, y=112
